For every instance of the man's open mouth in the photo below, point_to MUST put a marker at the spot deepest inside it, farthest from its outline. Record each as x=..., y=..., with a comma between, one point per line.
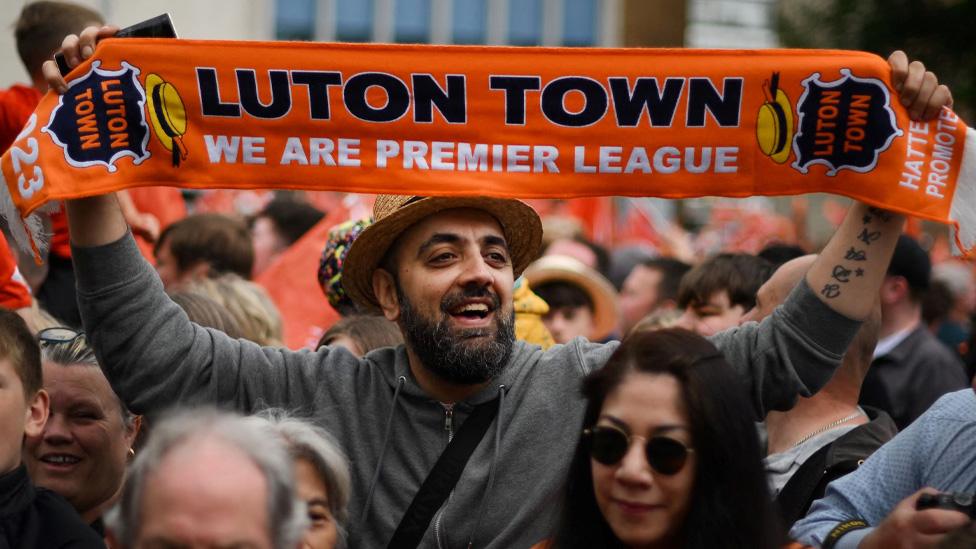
x=472, y=310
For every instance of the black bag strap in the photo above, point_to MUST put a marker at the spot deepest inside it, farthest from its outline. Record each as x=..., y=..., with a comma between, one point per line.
x=794, y=499
x=443, y=477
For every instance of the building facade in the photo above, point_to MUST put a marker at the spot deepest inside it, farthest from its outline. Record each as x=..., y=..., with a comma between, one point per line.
x=608, y=23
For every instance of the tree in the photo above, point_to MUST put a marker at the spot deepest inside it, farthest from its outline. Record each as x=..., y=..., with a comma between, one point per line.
x=938, y=32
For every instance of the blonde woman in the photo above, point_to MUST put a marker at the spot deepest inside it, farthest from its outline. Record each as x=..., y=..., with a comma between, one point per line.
x=255, y=313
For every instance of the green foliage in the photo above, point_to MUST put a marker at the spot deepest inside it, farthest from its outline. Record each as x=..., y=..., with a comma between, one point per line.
x=940, y=33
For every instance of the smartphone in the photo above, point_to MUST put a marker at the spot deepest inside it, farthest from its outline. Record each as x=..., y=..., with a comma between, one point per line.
x=160, y=26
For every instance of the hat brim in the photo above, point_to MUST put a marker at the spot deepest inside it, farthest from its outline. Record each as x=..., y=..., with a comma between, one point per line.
x=606, y=311
x=787, y=128
x=153, y=81
x=519, y=222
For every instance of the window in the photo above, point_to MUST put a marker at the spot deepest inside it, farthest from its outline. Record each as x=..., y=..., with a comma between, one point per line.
x=412, y=21
x=469, y=21
x=354, y=20
x=525, y=22
x=580, y=22
x=295, y=19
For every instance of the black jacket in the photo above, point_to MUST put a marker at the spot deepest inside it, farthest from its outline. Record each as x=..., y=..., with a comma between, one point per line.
x=833, y=461
x=910, y=378
x=36, y=518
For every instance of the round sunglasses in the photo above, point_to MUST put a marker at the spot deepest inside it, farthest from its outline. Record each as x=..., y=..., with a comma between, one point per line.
x=58, y=335
x=608, y=445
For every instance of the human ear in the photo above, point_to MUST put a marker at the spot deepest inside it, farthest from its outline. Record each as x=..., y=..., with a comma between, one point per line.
x=384, y=287
x=132, y=430
x=36, y=414
x=893, y=289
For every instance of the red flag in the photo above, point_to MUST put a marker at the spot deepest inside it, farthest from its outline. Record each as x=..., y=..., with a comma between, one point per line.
x=292, y=283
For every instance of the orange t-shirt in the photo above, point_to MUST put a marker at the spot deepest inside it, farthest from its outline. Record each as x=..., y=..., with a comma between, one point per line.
x=14, y=293
x=16, y=105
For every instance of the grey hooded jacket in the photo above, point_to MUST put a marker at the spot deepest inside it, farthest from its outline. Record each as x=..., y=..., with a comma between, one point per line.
x=392, y=432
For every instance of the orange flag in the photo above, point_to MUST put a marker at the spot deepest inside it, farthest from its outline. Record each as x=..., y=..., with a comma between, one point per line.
x=515, y=122
x=292, y=284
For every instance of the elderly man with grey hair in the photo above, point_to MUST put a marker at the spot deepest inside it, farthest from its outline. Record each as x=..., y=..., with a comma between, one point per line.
x=210, y=479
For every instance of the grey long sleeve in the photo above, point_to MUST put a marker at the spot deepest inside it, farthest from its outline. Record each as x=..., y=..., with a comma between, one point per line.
x=155, y=357
x=793, y=352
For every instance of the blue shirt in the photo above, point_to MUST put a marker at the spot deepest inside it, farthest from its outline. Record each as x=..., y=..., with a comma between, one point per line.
x=936, y=450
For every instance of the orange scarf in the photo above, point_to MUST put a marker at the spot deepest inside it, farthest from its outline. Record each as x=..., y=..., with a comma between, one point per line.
x=514, y=122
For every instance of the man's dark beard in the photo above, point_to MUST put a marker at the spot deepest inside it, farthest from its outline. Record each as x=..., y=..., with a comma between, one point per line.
x=451, y=354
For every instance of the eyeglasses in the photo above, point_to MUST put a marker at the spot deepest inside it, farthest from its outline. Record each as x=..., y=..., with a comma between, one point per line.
x=608, y=445
x=59, y=335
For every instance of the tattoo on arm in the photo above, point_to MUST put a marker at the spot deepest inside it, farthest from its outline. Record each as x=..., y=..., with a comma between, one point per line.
x=830, y=291
x=880, y=214
x=841, y=274
x=855, y=255
x=868, y=237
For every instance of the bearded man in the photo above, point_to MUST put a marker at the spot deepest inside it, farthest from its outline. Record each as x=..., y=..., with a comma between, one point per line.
x=444, y=270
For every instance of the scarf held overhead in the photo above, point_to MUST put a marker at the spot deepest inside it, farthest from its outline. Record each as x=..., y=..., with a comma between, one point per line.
x=495, y=121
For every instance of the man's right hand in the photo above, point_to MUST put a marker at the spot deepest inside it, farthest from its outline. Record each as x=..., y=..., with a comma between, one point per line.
x=75, y=48
x=907, y=527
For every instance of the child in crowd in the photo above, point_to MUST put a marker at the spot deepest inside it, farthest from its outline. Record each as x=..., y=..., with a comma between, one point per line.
x=581, y=301
x=29, y=516
x=716, y=294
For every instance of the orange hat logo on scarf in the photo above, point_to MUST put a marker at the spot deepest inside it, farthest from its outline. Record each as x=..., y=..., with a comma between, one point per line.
x=100, y=119
x=168, y=116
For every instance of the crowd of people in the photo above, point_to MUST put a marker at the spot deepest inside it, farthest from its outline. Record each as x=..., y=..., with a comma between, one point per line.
x=494, y=379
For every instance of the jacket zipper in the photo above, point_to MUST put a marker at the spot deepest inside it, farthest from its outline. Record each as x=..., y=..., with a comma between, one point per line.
x=449, y=427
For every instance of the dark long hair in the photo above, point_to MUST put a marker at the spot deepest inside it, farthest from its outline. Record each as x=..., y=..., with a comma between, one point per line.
x=730, y=504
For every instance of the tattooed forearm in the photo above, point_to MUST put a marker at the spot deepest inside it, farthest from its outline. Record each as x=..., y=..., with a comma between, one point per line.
x=851, y=266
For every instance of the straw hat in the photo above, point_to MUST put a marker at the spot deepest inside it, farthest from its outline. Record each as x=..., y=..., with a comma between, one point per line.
x=561, y=268
x=394, y=214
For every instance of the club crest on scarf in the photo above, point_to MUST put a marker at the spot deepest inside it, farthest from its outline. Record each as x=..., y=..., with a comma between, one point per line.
x=101, y=118
x=846, y=123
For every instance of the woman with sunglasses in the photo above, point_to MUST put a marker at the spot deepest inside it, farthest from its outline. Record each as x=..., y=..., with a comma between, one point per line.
x=668, y=454
x=84, y=449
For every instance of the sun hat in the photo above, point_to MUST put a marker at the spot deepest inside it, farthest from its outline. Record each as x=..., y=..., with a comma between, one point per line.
x=394, y=214
x=560, y=268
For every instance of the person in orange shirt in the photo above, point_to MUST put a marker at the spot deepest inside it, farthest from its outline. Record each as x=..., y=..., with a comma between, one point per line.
x=38, y=32
x=14, y=293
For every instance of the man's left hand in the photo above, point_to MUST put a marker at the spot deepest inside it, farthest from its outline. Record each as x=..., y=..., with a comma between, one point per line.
x=919, y=89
